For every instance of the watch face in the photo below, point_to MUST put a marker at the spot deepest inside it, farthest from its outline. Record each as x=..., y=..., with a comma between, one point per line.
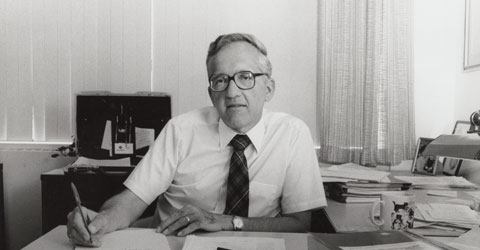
x=237, y=223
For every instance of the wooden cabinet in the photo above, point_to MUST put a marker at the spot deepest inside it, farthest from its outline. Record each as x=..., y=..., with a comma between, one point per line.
x=94, y=189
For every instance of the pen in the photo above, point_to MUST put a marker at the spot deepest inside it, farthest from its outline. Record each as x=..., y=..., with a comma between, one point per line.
x=79, y=205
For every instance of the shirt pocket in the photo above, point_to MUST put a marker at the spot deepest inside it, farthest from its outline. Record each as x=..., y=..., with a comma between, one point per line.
x=264, y=200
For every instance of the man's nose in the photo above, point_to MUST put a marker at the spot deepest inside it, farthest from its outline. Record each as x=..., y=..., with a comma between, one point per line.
x=232, y=89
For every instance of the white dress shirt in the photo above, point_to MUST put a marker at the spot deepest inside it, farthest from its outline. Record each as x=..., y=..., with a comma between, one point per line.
x=189, y=164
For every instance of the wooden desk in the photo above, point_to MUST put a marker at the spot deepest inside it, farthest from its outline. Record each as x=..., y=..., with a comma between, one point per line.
x=57, y=239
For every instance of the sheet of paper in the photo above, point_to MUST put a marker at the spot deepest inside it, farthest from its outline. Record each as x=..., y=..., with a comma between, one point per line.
x=448, y=213
x=414, y=245
x=468, y=240
x=144, y=137
x=122, y=162
x=132, y=239
x=107, y=137
x=446, y=193
x=460, y=201
x=193, y=242
x=474, y=194
x=437, y=181
x=357, y=172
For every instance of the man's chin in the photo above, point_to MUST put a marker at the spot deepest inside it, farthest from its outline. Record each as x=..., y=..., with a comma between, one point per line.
x=238, y=124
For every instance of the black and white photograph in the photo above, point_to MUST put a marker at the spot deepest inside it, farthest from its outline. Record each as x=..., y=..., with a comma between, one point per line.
x=424, y=164
x=231, y=124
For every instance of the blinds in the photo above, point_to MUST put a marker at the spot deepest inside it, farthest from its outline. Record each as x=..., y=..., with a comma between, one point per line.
x=52, y=49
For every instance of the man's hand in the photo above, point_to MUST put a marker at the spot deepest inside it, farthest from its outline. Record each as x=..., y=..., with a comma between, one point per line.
x=190, y=218
x=76, y=231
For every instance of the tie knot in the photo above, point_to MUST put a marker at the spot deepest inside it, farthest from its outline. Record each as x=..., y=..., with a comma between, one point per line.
x=240, y=142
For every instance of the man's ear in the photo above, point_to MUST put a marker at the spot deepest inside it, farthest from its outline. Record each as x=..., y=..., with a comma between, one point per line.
x=270, y=89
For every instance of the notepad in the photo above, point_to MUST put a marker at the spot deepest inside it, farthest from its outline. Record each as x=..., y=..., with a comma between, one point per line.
x=132, y=239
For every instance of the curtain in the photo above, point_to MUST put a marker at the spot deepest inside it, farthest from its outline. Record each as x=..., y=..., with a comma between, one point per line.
x=365, y=87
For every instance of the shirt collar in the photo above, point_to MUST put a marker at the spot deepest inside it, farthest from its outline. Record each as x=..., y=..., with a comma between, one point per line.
x=255, y=134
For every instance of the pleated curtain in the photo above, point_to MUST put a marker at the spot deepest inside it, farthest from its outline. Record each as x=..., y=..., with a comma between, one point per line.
x=365, y=81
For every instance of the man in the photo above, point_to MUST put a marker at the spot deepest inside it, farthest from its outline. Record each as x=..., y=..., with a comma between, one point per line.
x=233, y=166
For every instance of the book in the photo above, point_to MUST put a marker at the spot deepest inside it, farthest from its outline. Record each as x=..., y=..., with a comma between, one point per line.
x=350, y=198
x=390, y=182
x=363, y=191
x=344, y=188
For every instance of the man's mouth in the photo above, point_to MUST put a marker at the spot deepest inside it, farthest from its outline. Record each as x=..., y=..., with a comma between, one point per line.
x=236, y=105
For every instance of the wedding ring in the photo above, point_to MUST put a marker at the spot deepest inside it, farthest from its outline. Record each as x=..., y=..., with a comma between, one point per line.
x=187, y=219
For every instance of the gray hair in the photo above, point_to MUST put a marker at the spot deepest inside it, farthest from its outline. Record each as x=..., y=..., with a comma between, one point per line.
x=224, y=40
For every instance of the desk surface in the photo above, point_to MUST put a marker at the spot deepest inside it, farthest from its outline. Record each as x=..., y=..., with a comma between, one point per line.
x=57, y=239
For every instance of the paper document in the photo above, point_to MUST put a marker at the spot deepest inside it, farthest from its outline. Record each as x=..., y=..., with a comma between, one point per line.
x=355, y=172
x=132, y=239
x=460, y=201
x=193, y=242
x=123, y=162
x=107, y=137
x=446, y=193
x=144, y=137
x=452, y=213
x=438, y=181
x=469, y=240
x=474, y=194
x=414, y=245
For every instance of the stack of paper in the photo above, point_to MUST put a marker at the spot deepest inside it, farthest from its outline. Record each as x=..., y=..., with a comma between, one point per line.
x=469, y=240
x=438, y=182
x=450, y=217
x=352, y=183
x=353, y=172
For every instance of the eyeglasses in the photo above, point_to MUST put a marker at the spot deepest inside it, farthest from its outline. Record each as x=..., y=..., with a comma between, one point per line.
x=243, y=79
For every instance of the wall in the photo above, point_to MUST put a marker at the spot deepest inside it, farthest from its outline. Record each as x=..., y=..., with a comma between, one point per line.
x=437, y=43
x=22, y=169
x=445, y=92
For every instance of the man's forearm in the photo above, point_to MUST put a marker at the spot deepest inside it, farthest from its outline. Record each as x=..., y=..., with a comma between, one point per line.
x=121, y=210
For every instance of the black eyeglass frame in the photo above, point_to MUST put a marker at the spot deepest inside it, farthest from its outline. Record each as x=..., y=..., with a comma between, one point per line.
x=230, y=78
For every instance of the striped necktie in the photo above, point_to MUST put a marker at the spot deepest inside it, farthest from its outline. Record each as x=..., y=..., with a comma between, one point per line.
x=238, y=182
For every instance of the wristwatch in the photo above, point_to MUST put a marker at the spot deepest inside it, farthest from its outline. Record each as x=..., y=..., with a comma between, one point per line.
x=237, y=223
